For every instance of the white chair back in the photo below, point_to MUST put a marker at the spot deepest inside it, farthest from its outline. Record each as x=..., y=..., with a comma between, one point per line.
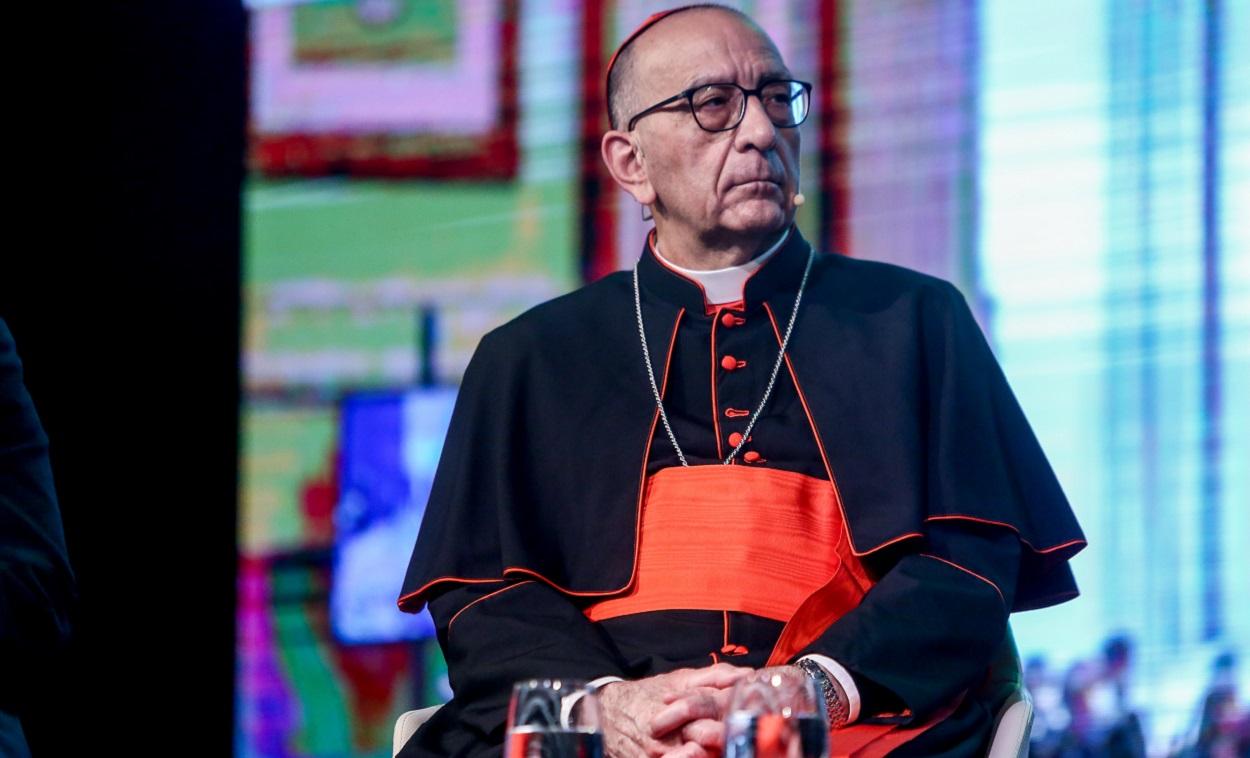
x=1012, y=727
x=407, y=724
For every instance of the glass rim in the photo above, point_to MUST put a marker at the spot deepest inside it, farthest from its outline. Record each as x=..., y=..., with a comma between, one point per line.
x=804, y=91
x=552, y=682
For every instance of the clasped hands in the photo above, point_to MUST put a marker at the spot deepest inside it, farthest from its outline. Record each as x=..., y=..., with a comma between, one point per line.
x=675, y=715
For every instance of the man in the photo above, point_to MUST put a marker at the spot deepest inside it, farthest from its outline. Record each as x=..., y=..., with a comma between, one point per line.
x=739, y=455
x=36, y=583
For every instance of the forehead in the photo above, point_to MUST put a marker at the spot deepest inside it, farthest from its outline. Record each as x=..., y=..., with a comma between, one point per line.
x=700, y=46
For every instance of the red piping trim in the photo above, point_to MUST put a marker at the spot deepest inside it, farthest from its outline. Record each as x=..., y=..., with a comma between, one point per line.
x=651, y=237
x=889, y=542
x=668, y=359
x=646, y=454
x=439, y=580
x=967, y=571
x=720, y=453
x=660, y=259
x=520, y=571
x=785, y=240
x=837, y=496
x=480, y=599
x=1026, y=543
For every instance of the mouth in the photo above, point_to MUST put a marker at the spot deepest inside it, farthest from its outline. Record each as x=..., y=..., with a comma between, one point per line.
x=759, y=186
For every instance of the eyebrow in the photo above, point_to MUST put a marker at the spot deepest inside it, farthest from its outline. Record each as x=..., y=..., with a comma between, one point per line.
x=701, y=80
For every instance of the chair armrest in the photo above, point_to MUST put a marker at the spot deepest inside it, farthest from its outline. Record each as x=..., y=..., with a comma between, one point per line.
x=1013, y=726
x=407, y=725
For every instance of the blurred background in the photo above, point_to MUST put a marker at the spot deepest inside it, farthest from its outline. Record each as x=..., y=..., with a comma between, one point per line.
x=322, y=206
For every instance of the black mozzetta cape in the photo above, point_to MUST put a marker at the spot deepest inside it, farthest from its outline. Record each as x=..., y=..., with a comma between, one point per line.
x=541, y=471
x=890, y=389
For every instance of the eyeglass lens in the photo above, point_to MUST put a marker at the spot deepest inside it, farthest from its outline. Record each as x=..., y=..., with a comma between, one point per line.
x=721, y=106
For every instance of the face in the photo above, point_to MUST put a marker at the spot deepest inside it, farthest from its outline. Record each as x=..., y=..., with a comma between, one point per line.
x=714, y=184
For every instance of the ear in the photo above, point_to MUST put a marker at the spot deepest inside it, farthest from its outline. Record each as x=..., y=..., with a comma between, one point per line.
x=627, y=165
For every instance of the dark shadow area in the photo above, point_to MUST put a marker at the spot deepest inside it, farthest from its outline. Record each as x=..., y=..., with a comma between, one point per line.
x=123, y=300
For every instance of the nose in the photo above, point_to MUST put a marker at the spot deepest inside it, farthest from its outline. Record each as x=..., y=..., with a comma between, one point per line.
x=756, y=129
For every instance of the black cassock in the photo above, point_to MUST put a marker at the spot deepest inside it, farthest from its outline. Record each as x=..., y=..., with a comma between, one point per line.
x=890, y=389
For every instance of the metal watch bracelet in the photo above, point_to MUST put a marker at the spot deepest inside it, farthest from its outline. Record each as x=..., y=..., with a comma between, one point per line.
x=836, y=707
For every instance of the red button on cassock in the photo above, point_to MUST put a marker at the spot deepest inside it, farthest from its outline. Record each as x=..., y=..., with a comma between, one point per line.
x=751, y=456
x=729, y=363
x=735, y=439
x=728, y=320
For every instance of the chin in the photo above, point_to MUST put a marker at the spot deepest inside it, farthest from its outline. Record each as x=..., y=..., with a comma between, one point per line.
x=757, y=217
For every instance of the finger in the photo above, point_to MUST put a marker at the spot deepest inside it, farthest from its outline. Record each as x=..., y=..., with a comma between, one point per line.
x=683, y=711
x=720, y=675
x=688, y=750
x=709, y=733
x=716, y=693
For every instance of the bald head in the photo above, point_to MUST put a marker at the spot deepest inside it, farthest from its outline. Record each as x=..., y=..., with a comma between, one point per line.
x=624, y=90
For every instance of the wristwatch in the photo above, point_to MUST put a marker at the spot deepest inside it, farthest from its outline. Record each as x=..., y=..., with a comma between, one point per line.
x=836, y=707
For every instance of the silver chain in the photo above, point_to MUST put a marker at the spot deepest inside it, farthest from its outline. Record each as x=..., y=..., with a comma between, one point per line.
x=772, y=379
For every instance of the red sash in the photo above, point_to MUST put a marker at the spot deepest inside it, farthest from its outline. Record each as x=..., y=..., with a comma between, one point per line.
x=754, y=540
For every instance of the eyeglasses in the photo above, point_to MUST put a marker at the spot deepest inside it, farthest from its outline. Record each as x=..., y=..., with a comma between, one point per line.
x=720, y=107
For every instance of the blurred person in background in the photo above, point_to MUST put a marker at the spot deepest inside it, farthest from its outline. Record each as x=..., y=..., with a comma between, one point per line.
x=1102, y=721
x=608, y=508
x=1125, y=736
x=36, y=583
x=1081, y=737
x=1223, y=724
x=1050, y=717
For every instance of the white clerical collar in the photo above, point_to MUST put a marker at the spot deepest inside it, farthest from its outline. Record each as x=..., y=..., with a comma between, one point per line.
x=723, y=285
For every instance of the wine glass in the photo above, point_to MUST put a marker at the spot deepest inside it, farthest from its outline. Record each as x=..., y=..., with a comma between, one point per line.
x=554, y=718
x=776, y=713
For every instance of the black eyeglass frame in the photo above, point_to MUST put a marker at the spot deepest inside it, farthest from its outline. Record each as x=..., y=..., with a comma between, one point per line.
x=688, y=96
